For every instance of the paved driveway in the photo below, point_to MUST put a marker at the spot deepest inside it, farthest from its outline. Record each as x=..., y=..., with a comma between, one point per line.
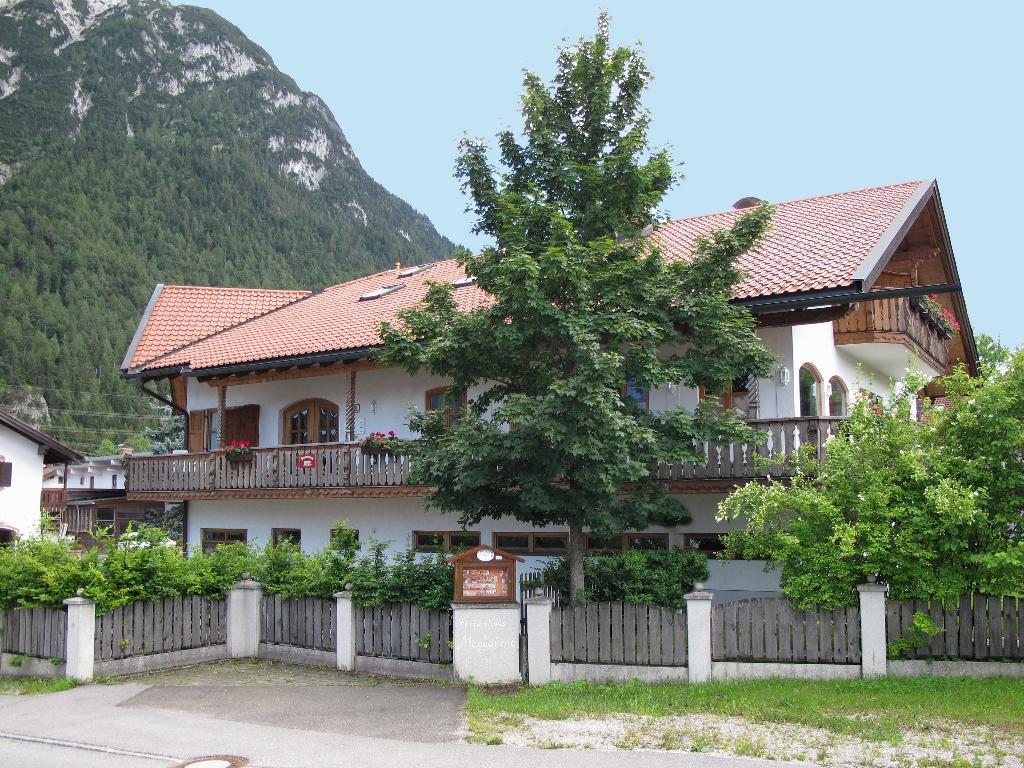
x=323, y=700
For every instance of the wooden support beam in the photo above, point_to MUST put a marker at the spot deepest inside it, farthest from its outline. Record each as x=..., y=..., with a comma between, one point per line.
x=295, y=372
x=222, y=397
x=802, y=316
x=350, y=407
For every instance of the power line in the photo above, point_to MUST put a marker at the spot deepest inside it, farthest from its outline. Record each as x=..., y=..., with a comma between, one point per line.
x=33, y=388
x=107, y=413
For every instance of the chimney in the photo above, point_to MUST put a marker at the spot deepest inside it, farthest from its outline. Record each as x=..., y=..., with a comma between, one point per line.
x=747, y=202
x=398, y=268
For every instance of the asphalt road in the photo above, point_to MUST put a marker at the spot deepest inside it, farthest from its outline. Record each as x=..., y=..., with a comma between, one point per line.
x=135, y=725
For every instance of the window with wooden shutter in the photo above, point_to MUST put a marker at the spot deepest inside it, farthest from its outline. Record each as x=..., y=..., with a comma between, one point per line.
x=197, y=431
x=242, y=423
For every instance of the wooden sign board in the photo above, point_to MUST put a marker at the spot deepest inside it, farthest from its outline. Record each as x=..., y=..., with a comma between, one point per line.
x=485, y=575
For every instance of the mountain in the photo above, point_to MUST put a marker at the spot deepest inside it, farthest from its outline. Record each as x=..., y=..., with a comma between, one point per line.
x=143, y=142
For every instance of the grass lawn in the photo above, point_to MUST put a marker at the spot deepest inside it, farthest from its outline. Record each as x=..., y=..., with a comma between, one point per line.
x=29, y=686
x=878, y=710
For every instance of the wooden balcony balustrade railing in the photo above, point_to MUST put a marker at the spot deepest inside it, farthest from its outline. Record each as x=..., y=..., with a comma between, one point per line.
x=337, y=465
x=893, y=320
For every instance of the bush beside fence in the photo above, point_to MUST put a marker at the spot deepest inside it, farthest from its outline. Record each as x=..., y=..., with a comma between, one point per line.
x=771, y=629
x=981, y=627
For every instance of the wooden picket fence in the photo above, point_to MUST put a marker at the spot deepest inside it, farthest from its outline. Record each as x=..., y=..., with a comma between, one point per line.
x=404, y=631
x=619, y=633
x=304, y=622
x=981, y=627
x=38, y=632
x=171, y=624
x=770, y=629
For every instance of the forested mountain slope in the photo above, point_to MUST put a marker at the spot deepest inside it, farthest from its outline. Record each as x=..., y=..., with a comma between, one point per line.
x=142, y=142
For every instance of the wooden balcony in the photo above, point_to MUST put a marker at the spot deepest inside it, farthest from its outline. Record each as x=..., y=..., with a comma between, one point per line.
x=891, y=321
x=343, y=470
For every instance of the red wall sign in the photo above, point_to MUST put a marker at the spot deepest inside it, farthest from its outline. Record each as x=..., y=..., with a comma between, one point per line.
x=305, y=461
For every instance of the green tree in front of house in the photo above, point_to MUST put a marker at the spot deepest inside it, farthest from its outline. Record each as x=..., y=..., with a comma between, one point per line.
x=583, y=303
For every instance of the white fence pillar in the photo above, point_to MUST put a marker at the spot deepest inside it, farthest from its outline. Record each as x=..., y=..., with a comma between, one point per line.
x=81, y=638
x=698, y=635
x=485, y=642
x=873, y=651
x=244, y=619
x=345, y=630
x=538, y=640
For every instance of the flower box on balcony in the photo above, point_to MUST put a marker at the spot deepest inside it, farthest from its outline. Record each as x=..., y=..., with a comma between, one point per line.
x=238, y=451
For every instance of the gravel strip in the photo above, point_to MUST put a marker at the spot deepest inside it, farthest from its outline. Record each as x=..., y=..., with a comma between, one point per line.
x=930, y=745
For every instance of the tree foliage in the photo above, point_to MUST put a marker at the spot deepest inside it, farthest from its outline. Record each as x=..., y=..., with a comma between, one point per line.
x=932, y=508
x=583, y=303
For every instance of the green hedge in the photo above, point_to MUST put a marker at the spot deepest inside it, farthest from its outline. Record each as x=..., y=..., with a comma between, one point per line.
x=145, y=565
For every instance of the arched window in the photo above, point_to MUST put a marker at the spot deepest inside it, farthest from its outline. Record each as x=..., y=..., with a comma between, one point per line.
x=810, y=391
x=837, y=397
x=310, y=421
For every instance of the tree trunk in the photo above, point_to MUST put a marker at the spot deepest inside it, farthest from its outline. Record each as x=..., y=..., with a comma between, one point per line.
x=577, y=548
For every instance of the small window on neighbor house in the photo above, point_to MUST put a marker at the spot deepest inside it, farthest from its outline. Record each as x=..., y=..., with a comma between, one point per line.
x=553, y=543
x=291, y=535
x=214, y=537
x=437, y=399
x=837, y=397
x=810, y=387
x=113, y=481
x=443, y=541
x=646, y=541
x=606, y=544
x=92, y=481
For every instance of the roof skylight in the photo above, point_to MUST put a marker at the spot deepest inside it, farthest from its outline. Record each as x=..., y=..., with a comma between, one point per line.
x=377, y=293
x=464, y=282
x=410, y=271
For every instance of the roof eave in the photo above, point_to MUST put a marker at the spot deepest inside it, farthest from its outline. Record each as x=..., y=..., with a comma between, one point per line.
x=141, y=328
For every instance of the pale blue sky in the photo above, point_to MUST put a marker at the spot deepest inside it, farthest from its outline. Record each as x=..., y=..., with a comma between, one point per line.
x=779, y=100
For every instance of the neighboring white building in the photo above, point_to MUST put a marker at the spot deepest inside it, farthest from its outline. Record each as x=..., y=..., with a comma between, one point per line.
x=836, y=288
x=93, y=473
x=24, y=451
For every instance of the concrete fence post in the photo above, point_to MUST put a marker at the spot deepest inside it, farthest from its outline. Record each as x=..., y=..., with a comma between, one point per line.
x=698, y=634
x=244, y=619
x=345, y=630
x=873, y=651
x=485, y=642
x=81, y=638
x=538, y=640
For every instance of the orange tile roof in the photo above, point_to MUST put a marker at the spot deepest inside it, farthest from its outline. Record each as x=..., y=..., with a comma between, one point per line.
x=813, y=244
x=332, y=320
x=183, y=314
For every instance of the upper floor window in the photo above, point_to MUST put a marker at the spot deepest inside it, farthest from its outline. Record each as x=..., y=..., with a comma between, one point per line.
x=640, y=395
x=438, y=399
x=837, y=397
x=810, y=391
x=311, y=421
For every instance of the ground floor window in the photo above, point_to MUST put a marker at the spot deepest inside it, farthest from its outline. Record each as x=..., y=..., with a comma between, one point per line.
x=291, y=535
x=709, y=543
x=547, y=543
x=6, y=537
x=444, y=541
x=214, y=537
x=624, y=541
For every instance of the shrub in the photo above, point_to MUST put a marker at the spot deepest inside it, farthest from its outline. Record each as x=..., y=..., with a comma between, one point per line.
x=652, y=577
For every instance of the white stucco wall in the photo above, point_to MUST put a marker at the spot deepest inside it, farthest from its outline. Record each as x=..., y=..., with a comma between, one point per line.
x=20, y=503
x=815, y=344
x=96, y=473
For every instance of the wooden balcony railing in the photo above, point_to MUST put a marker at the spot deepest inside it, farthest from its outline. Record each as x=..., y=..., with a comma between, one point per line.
x=338, y=466
x=894, y=320
x=334, y=466
x=53, y=500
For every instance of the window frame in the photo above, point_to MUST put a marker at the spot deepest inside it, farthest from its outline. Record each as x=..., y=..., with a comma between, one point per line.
x=659, y=535
x=313, y=405
x=531, y=546
x=277, y=535
x=448, y=408
x=712, y=554
x=445, y=536
x=645, y=404
x=203, y=540
x=727, y=398
x=819, y=391
x=833, y=383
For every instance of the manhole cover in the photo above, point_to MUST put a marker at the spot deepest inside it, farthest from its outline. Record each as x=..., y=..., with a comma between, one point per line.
x=215, y=761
